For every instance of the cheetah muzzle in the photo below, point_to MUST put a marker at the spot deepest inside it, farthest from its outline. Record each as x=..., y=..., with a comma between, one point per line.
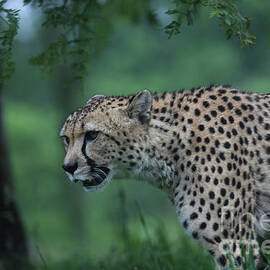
x=99, y=178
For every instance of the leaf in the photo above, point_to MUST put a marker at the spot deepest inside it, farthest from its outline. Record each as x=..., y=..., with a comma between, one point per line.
x=10, y=17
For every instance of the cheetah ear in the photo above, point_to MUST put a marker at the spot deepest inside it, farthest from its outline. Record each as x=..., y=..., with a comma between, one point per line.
x=140, y=106
x=95, y=98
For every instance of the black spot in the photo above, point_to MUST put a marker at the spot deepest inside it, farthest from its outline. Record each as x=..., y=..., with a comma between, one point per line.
x=222, y=259
x=211, y=195
x=227, y=145
x=215, y=226
x=237, y=203
x=203, y=226
x=217, y=239
x=236, y=98
x=231, y=119
x=194, y=215
x=225, y=99
x=234, y=132
x=197, y=112
x=220, y=170
x=239, y=260
x=195, y=235
x=221, y=108
x=238, y=112
x=212, y=130
x=202, y=202
x=251, y=117
x=249, y=131
x=223, y=120
x=185, y=224
x=201, y=127
x=222, y=156
x=213, y=113
x=230, y=105
x=207, y=117
x=190, y=121
x=223, y=91
x=227, y=181
x=267, y=137
x=228, y=134
x=220, y=130
x=223, y=192
x=192, y=203
x=206, y=104
x=208, y=240
x=243, y=107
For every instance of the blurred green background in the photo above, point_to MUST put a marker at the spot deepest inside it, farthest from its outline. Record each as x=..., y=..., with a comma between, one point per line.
x=62, y=221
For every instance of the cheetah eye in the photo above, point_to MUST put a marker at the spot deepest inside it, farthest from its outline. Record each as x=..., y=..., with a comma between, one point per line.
x=65, y=140
x=91, y=135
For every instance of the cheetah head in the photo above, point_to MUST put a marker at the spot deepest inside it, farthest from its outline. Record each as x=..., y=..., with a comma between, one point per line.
x=104, y=137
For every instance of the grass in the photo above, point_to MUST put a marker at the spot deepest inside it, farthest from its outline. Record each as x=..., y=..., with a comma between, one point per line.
x=134, y=252
x=148, y=254
x=154, y=251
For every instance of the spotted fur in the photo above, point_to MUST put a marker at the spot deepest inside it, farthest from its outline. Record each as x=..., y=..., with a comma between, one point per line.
x=208, y=148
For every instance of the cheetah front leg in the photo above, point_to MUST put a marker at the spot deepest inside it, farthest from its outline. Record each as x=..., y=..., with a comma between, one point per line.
x=228, y=255
x=219, y=230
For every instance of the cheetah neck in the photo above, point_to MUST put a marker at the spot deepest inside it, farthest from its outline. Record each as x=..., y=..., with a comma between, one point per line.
x=162, y=152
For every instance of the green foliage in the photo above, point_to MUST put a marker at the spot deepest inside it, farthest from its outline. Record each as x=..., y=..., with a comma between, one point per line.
x=74, y=41
x=8, y=31
x=77, y=24
x=234, y=23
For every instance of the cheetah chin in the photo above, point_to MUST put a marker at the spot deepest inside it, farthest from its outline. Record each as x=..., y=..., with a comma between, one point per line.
x=99, y=179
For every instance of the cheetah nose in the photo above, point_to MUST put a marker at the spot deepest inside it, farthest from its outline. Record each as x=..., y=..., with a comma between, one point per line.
x=70, y=167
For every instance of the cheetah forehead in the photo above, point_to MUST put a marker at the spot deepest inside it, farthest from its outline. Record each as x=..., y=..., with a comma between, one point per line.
x=98, y=110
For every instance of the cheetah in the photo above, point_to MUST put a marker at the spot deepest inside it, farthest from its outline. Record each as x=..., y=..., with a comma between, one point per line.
x=208, y=148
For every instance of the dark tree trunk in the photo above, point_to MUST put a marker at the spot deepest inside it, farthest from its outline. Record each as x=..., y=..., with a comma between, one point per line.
x=13, y=248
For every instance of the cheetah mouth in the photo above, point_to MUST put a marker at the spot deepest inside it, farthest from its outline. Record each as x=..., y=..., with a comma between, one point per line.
x=99, y=177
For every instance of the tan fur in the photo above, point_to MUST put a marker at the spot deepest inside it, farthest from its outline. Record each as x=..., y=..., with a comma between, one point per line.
x=208, y=148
